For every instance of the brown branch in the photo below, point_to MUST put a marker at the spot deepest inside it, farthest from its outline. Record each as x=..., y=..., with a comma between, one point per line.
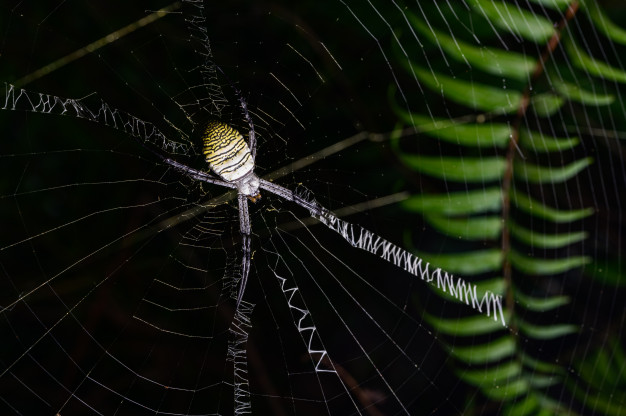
x=513, y=146
x=366, y=397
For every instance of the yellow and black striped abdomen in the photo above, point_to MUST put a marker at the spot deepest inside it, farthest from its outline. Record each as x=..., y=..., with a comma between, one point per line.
x=226, y=151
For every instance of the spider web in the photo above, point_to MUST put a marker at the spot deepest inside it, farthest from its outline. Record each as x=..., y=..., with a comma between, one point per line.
x=119, y=272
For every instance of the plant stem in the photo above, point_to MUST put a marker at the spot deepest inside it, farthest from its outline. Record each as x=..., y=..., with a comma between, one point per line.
x=507, y=180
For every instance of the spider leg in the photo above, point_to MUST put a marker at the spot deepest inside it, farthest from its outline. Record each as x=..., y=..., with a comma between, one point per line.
x=251, y=134
x=314, y=208
x=197, y=174
x=244, y=228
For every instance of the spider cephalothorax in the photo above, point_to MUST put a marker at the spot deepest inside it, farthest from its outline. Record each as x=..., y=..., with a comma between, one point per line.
x=232, y=159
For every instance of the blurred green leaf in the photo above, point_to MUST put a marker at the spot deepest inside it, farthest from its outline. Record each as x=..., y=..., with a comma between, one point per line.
x=546, y=331
x=536, y=239
x=468, y=263
x=456, y=203
x=553, y=4
x=515, y=20
x=490, y=60
x=485, y=353
x=542, y=366
x=603, y=23
x=596, y=369
x=552, y=410
x=550, y=174
x=592, y=65
x=461, y=169
x=604, y=373
x=524, y=407
x=542, y=381
x=540, y=304
x=470, y=94
x=470, y=228
x=607, y=404
x=575, y=93
x=492, y=375
x=538, y=209
x=540, y=266
x=546, y=104
x=507, y=390
x=609, y=272
x=467, y=326
x=464, y=134
x=542, y=143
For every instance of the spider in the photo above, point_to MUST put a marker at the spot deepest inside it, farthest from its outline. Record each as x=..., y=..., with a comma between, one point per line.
x=233, y=160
